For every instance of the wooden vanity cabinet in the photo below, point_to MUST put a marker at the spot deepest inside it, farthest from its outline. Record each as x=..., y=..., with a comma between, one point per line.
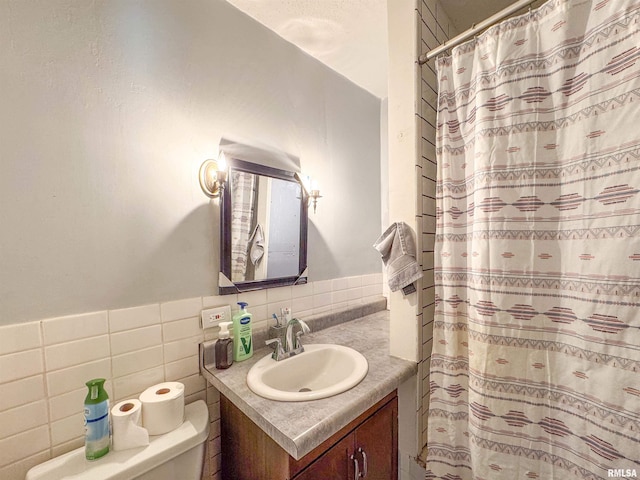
x=334, y=463
x=370, y=440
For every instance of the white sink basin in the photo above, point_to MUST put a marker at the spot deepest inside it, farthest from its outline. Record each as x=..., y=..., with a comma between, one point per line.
x=321, y=371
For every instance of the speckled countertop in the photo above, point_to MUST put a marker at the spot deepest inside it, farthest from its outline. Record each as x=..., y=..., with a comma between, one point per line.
x=298, y=427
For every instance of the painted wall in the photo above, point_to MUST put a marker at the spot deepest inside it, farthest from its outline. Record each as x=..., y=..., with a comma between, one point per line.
x=109, y=109
x=404, y=332
x=412, y=120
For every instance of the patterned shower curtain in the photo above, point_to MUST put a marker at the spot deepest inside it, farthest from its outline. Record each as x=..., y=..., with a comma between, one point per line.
x=243, y=197
x=535, y=369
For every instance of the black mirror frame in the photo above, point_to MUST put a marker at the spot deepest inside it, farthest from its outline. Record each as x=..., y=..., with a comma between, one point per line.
x=225, y=232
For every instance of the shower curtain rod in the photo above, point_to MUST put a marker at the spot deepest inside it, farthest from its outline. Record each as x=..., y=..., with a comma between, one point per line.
x=475, y=29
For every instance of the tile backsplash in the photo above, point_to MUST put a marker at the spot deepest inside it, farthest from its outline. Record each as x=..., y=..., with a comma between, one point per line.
x=44, y=364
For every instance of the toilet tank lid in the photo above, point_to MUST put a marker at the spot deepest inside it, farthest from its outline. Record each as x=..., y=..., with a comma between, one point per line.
x=127, y=464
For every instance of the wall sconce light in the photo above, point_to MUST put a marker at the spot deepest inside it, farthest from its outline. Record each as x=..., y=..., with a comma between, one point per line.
x=213, y=176
x=311, y=188
x=314, y=195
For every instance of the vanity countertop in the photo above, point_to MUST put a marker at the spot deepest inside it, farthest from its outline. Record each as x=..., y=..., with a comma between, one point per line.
x=298, y=427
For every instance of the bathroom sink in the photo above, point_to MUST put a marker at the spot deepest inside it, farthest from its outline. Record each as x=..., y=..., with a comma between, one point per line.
x=321, y=371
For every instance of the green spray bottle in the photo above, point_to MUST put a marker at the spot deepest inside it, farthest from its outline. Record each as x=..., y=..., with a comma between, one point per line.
x=96, y=420
x=242, y=341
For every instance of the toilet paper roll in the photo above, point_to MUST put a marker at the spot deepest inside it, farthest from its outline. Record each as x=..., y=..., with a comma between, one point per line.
x=126, y=419
x=163, y=407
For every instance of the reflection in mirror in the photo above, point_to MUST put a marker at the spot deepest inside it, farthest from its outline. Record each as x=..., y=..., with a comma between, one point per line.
x=263, y=228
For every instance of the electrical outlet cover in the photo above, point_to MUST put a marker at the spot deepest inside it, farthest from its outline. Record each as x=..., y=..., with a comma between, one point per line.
x=211, y=317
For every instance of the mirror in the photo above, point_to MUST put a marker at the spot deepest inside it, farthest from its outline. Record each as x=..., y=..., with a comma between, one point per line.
x=263, y=228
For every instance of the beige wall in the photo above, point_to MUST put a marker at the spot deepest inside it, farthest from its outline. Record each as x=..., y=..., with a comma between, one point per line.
x=109, y=108
x=412, y=120
x=402, y=159
x=403, y=206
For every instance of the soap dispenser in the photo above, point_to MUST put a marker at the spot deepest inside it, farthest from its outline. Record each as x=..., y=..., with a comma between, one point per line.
x=224, y=347
x=242, y=341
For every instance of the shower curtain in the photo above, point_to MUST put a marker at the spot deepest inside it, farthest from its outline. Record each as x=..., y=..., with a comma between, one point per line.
x=243, y=198
x=535, y=369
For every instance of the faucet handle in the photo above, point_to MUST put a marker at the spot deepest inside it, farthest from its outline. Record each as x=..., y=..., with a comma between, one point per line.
x=298, y=343
x=278, y=351
x=305, y=327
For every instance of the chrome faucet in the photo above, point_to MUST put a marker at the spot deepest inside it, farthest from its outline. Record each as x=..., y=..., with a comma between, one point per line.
x=295, y=345
x=292, y=346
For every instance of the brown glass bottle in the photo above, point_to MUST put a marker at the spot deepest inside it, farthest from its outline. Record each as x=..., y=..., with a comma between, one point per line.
x=224, y=347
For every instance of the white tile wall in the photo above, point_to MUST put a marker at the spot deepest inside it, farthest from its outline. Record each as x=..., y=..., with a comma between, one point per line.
x=137, y=361
x=44, y=364
x=64, y=329
x=189, y=307
x=68, y=379
x=134, y=384
x=323, y=286
x=20, y=365
x=136, y=317
x=77, y=352
x=19, y=392
x=136, y=339
x=24, y=444
x=24, y=417
x=434, y=27
x=24, y=336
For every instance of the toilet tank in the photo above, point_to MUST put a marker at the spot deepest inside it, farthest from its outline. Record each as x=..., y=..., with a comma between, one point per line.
x=177, y=454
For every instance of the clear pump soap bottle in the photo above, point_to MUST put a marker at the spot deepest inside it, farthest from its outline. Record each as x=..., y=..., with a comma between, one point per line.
x=224, y=347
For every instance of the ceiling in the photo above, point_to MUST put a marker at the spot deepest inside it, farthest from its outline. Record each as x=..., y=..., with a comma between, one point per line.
x=464, y=13
x=350, y=36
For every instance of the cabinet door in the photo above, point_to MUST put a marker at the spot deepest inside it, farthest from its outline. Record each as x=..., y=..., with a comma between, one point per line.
x=378, y=439
x=334, y=464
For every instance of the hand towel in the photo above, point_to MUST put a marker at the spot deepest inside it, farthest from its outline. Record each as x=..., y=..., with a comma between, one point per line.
x=398, y=250
x=256, y=241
